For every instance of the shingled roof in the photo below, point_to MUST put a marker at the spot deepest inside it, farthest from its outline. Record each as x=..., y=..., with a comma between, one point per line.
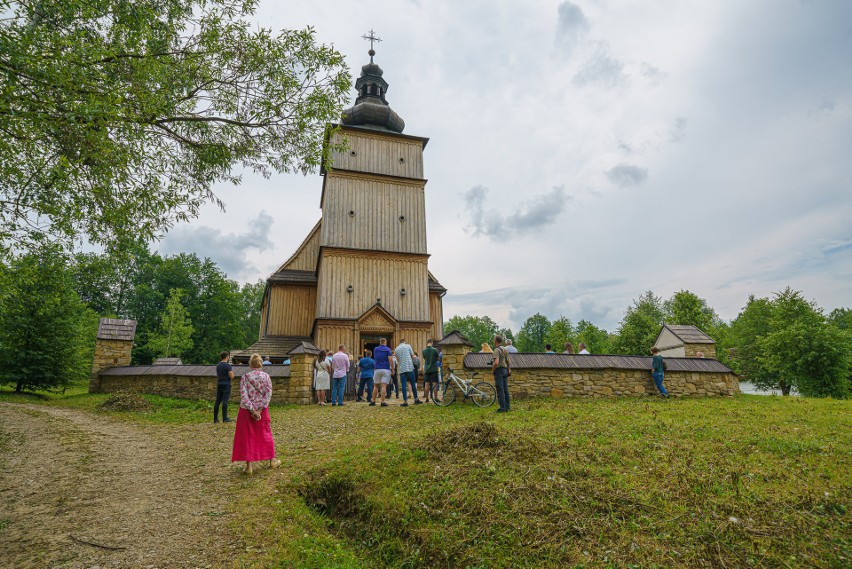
x=292, y=276
x=305, y=348
x=454, y=338
x=272, y=346
x=113, y=329
x=594, y=361
x=688, y=334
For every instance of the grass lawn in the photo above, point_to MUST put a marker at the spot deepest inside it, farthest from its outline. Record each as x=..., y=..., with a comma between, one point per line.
x=748, y=481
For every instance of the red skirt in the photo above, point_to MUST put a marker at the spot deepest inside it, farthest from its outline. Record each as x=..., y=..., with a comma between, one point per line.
x=253, y=439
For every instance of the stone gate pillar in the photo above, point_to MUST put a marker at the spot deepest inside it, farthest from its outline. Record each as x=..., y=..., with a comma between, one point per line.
x=454, y=347
x=112, y=348
x=299, y=390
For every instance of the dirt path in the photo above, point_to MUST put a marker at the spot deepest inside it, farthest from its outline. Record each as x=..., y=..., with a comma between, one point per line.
x=159, y=493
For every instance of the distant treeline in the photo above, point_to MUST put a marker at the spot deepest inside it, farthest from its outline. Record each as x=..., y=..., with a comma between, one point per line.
x=781, y=342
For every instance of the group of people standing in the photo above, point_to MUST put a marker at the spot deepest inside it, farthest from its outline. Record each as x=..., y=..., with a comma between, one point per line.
x=377, y=371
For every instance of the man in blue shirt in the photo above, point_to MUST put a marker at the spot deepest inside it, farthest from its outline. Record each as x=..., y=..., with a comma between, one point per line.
x=658, y=371
x=382, y=355
x=224, y=375
x=366, y=369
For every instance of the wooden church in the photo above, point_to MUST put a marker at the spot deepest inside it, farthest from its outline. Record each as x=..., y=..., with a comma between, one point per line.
x=362, y=273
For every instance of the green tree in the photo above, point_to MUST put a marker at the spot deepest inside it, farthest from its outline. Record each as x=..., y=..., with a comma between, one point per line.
x=687, y=308
x=173, y=337
x=478, y=329
x=597, y=340
x=533, y=334
x=787, y=342
x=46, y=333
x=561, y=331
x=640, y=326
x=804, y=349
x=841, y=318
x=251, y=296
x=118, y=117
x=747, y=330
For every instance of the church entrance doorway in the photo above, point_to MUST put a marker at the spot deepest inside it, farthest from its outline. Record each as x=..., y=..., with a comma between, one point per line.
x=370, y=341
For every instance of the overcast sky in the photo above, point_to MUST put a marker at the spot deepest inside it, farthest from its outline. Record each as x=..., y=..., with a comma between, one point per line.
x=583, y=152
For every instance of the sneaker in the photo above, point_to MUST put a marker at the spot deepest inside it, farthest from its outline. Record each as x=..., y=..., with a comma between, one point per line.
x=384, y=404
x=404, y=404
x=418, y=402
x=340, y=404
x=372, y=403
x=227, y=421
x=215, y=420
x=334, y=404
x=359, y=400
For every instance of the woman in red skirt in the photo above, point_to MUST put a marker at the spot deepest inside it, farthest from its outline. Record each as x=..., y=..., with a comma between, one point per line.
x=253, y=435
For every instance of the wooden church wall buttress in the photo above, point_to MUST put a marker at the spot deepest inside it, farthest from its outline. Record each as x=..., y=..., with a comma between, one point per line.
x=436, y=315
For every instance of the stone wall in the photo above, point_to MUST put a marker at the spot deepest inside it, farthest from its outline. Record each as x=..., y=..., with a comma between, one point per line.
x=691, y=350
x=160, y=380
x=610, y=382
x=108, y=353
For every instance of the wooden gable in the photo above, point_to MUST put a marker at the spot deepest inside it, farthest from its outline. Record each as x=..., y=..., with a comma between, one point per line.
x=377, y=320
x=305, y=257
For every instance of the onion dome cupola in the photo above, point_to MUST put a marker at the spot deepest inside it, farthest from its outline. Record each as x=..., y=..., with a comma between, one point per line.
x=371, y=109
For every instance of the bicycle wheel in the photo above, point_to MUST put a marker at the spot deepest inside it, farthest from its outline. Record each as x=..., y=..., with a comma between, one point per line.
x=443, y=394
x=483, y=394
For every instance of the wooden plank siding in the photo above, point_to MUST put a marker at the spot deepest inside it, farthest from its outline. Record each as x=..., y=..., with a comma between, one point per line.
x=377, y=206
x=436, y=315
x=329, y=336
x=372, y=276
x=291, y=310
x=374, y=153
x=305, y=257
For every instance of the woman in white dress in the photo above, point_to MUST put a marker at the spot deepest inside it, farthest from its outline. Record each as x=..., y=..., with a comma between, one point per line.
x=323, y=376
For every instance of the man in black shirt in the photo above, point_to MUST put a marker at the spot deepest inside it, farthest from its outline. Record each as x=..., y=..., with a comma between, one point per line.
x=224, y=375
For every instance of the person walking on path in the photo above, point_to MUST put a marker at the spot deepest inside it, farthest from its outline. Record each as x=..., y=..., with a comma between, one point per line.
x=339, y=368
x=658, y=371
x=430, y=368
x=500, y=366
x=366, y=370
x=323, y=374
x=224, y=375
x=405, y=360
x=384, y=368
x=253, y=440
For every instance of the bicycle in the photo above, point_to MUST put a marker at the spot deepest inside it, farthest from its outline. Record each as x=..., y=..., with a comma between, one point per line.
x=483, y=393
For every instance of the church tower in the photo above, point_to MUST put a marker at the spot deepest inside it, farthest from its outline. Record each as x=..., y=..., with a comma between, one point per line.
x=362, y=273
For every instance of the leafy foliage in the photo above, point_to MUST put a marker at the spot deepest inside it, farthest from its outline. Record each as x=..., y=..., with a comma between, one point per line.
x=478, y=329
x=533, y=334
x=46, y=332
x=788, y=342
x=687, y=308
x=597, y=340
x=118, y=117
x=561, y=331
x=640, y=326
x=174, y=336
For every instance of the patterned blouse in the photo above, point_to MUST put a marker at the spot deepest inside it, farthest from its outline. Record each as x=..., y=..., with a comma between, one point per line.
x=255, y=390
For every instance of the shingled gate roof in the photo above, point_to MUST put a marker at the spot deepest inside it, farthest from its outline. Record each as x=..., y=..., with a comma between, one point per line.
x=113, y=329
x=689, y=334
x=454, y=338
x=272, y=346
x=305, y=348
x=594, y=361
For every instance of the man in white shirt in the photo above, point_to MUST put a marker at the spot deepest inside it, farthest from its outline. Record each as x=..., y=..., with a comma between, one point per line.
x=510, y=348
x=583, y=349
x=405, y=360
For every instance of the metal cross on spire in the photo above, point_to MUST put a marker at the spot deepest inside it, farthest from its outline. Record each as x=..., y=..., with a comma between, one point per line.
x=373, y=38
